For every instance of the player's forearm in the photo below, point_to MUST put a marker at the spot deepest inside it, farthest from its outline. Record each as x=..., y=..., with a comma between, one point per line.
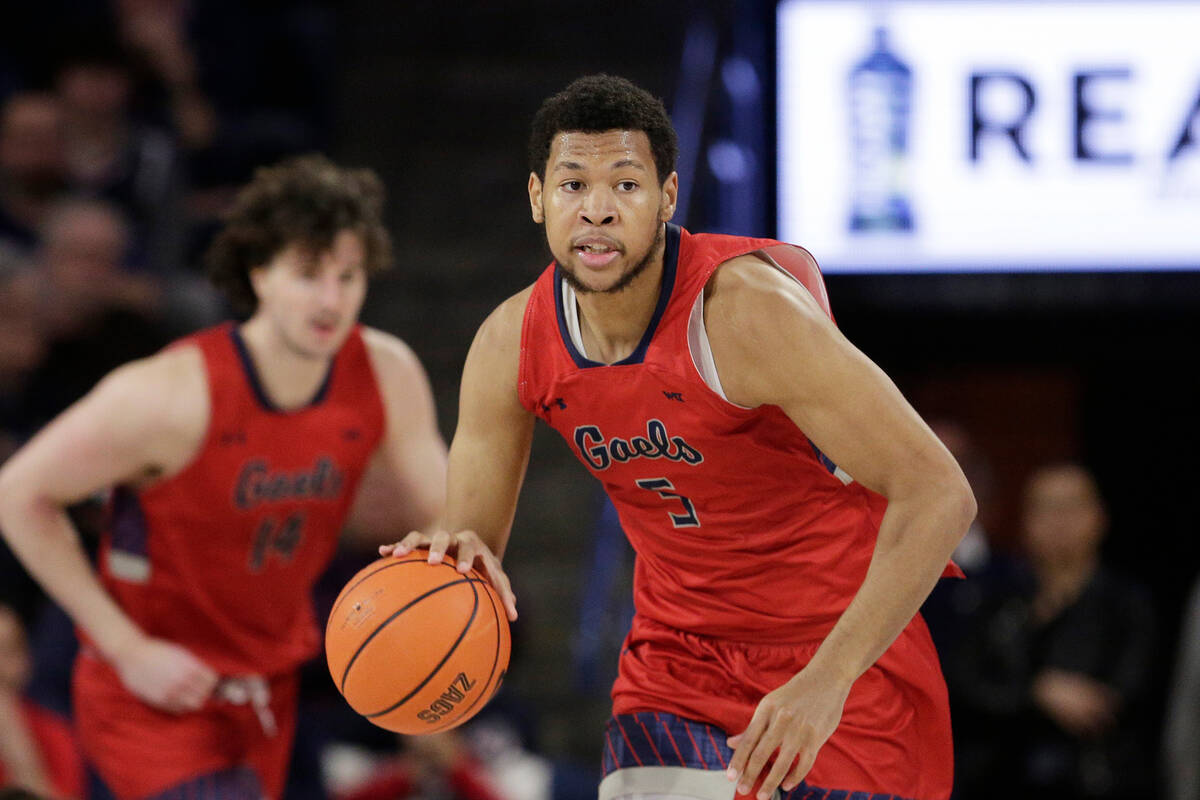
x=41, y=535
x=915, y=541
x=18, y=750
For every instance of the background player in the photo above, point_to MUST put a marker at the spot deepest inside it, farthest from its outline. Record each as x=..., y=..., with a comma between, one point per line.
x=702, y=381
x=236, y=457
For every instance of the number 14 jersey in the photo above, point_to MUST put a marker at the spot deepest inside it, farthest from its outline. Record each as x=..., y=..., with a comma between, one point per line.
x=222, y=557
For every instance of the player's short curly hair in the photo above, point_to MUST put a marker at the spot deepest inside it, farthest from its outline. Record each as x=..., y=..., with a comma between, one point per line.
x=305, y=201
x=598, y=103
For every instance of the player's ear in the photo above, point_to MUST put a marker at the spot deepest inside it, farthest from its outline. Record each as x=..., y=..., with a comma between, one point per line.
x=258, y=280
x=670, y=196
x=535, y=198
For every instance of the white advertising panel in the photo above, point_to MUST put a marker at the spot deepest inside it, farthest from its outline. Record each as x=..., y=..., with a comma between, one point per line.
x=927, y=136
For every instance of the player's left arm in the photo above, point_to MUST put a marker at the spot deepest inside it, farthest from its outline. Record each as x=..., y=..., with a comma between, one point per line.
x=404, y=486
x=773, y=345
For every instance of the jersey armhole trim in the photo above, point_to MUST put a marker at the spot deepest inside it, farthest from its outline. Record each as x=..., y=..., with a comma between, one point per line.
x=697, y=335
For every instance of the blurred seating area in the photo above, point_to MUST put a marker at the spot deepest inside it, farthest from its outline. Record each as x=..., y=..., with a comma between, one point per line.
x=126, y=126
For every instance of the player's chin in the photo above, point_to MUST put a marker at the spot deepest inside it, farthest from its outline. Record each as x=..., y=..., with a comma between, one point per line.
x=599, y=281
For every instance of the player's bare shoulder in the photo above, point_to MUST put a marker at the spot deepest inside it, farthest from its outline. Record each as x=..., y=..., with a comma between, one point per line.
x=500, y=333
x=746, y=291
x=394, y=362
x=759, y=317
x=161, y=401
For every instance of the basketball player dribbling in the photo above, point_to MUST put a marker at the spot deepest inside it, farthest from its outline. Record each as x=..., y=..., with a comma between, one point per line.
x=236, y=455
x=789, y=510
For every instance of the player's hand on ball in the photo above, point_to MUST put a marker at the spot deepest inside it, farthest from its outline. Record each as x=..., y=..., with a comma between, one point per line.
x=791, y=724
x=468, y=551
x=165, y=675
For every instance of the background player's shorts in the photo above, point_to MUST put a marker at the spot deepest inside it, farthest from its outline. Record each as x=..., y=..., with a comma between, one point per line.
x=893, y=739
x=227, y=749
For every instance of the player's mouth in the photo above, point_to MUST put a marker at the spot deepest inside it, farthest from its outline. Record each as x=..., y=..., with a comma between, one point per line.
x=325, y=327
x=596, y=251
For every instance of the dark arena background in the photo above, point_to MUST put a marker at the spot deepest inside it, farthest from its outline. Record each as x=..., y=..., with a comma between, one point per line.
x=1010, y=230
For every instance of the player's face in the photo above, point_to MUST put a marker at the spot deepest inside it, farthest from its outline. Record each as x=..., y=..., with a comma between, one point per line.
x=313, y=300
x=603, y=207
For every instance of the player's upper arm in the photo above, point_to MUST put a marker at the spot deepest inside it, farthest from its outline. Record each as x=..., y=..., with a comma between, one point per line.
x=143, y=421
x=773, y=344
x=490, y=450
x=404, y=486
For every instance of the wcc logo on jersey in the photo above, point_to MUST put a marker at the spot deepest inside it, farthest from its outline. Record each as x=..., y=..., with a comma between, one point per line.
x=600, y=453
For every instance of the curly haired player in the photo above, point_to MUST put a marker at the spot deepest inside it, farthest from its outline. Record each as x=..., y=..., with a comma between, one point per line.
x=236, y=457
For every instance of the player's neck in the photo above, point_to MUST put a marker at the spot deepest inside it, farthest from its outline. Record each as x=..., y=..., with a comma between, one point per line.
x=289, y=378
x=612, y=325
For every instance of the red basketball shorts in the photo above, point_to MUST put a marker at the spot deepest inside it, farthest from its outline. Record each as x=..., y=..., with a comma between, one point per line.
x=141, y=752
x=894, y=736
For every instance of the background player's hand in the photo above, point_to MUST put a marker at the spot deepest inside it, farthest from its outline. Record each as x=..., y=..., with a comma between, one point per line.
x=1080, y=704
x=791, y=724
x=165, y=675
x=468, y=551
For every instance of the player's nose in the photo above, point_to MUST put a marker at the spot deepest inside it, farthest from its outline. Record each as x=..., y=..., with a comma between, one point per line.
x=599, y=206
x=331, y=292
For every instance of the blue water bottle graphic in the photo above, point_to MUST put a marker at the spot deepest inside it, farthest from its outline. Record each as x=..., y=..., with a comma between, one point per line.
x=880, y=90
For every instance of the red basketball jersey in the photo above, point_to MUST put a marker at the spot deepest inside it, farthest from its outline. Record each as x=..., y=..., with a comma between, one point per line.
x=743, y=529
x=222, y=556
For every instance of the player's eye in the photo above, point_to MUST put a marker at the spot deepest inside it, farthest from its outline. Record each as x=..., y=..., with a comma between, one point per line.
x=627, y=186
x=572, y=186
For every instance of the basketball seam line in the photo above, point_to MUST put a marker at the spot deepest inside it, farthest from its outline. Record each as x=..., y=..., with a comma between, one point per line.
x=445, y=658
x=483, y=692
x=346, y=591
x=386, y=622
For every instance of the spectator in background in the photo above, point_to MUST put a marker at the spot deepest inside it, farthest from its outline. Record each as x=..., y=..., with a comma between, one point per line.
x=37, y=749
x=1052, y=674
x=21, y=344
x=32, y=165
x=108, y=155
x=952, y=605
x=1181, y=741
x=94, y=313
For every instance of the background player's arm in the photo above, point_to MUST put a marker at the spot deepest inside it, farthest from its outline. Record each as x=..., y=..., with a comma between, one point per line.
x=143, y=420
x=404, y=487
x=773, y=345
x=489, y=454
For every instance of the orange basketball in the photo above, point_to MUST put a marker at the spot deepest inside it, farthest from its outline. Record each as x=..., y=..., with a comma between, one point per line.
x=417, y=647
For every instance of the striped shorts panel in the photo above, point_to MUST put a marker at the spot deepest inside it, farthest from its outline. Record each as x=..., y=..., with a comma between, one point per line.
x=660, y=739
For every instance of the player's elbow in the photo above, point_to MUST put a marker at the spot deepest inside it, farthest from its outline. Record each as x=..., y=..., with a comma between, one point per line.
x=18, y=500
x=957, y=500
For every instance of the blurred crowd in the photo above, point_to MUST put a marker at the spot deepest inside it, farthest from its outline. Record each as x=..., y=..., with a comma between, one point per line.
x=125, y=127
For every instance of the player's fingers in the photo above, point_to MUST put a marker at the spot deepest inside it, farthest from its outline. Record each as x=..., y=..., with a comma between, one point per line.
x=469, y=548
x=747, y=739
x=779, y=770
x=405, y=545
x=757, y=760
x=501, y=583
x=438, y=544
x=799, y=771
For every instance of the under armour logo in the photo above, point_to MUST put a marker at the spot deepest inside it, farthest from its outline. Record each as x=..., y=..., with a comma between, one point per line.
x=674, y=396
x=351, y=434
x=232, y=437
x=558, y=401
